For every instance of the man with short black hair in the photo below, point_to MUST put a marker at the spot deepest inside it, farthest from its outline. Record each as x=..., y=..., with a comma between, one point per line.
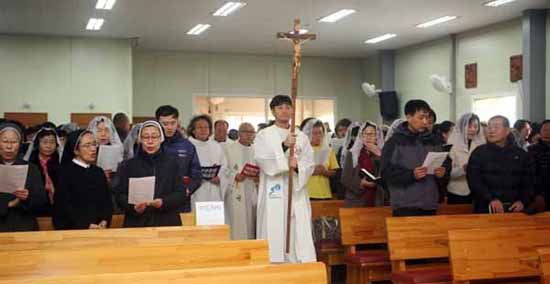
x=271, y=153
x=500, y=173
x=177, y=145
x=122, y=125
x=413, y=192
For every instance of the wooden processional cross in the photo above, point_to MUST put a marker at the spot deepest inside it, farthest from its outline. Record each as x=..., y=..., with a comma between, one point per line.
x=297, y=40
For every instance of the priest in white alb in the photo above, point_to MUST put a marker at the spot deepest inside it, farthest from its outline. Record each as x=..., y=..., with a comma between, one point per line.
x=271, y=150
x=242, y=190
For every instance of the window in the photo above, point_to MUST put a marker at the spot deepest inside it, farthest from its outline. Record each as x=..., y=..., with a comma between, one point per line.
x=236, y=110
x=486, y=108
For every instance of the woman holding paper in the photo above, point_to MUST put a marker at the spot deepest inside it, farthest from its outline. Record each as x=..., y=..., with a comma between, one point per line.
x=45, y=153
x=107, y=137
x=326, y=164
x=466, y=137
x=212, y=160
x=82, y=199
x=21, y=188
x=361, y=169
x=148, y=187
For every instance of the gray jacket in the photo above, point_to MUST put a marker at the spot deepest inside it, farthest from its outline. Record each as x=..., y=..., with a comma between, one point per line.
x=400, y=156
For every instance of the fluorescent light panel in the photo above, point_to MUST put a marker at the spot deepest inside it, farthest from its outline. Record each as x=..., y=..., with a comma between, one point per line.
x=380, y=38
x=229, y=8
x=334, y=17
x=498, y=3
x=105, y=4
x=198, y=29
x=94, y=24
x=436, y=21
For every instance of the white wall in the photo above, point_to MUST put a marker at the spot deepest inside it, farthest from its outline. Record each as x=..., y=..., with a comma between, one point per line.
x=371, y=74
x=413, y=68
x=491, y=48
x=61, y=75
x=548, y=64
x=174, y=77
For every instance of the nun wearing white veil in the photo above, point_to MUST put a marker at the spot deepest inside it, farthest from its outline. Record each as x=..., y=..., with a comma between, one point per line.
x=105, y=133
x=365, y=153
x=324, y=157
x=131, y=142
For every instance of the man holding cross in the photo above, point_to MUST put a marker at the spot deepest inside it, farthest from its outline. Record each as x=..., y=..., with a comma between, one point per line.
x=272, y=148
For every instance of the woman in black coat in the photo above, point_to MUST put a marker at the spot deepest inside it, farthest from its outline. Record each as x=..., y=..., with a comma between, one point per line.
x=82, y=199
x=16, y=209
x=169, y=193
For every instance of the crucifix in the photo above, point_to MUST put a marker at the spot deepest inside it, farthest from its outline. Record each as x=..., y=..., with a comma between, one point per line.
x=297, y=39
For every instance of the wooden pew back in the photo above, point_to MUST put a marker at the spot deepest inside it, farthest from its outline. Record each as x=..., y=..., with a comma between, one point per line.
x=544, y=259
x=454, y=209
x=76, y=239
x=426, y=237
x=22, y=265
x=363, y=225
x=45, y=223
x=304, y=273
x=496, y=253
x=325, y=208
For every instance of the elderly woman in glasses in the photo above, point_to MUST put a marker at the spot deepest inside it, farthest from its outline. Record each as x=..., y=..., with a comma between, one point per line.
x=151, y=162
x=16, y=208
x=82, y=199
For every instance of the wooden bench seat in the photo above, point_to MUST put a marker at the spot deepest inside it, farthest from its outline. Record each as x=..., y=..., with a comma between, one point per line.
x=306, y=273
x=504, y=254
x=23, y=265
x=75, y=239
x=365, y=226
x=330, y=252
x=426, y=238
x=544, y=259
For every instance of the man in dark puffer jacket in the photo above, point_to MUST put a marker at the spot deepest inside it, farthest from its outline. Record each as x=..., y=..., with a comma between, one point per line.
x=500, y=173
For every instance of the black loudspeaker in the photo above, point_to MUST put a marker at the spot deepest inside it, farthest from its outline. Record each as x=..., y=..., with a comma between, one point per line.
x=389, y=106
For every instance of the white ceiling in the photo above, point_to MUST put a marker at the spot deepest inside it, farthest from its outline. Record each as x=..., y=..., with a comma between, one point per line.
x=162, y=24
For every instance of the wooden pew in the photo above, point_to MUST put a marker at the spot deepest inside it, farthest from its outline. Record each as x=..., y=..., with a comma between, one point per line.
x=330, y=252
x=505, y=254
x=454, y=209
x=45, y=223
x=365, y=226
x=76, y=239
x=23, y=265
x=544, y=259
x=413, y=238
x=305, y=273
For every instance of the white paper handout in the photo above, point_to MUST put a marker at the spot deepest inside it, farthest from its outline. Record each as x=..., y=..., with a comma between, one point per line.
x=210, y=213
x=12, y=177
x=434, y=160
x=109, y=156
x=141, y=190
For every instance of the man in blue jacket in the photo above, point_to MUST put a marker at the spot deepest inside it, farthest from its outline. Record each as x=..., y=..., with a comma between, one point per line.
x=177, y=145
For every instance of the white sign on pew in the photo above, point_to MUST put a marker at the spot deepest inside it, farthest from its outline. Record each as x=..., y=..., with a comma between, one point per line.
x=210, y=213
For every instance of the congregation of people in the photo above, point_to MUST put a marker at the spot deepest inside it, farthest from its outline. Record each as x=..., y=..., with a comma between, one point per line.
x=495, y=166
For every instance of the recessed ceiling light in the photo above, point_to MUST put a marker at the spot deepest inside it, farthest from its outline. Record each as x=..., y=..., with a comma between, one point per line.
x=380, y=38
x=229, y=8
x=334, y=17
x=105, y=4
x=94, y=24
x=436, y=21
x=198, y=29
x=497, y=3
